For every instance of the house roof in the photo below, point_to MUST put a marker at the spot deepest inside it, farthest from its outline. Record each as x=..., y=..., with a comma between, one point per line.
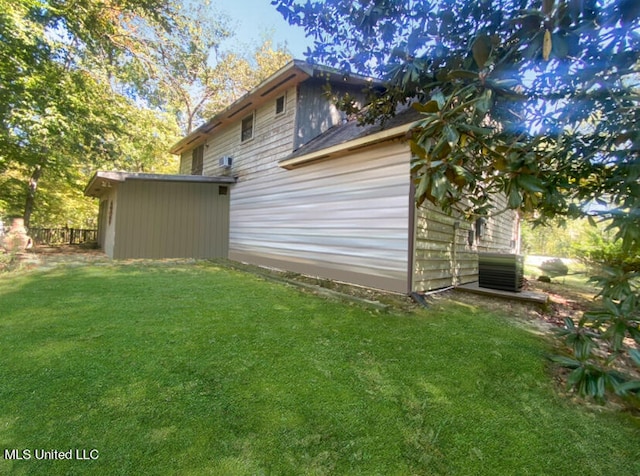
x=291, y=74
x=349, y=136
x=102, y=181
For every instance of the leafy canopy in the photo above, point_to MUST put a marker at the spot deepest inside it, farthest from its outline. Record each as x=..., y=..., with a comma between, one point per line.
x=512, y=92
x=104, y=84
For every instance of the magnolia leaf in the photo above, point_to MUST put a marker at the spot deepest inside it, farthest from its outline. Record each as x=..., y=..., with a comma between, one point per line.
x=417, y=150
x=560, y=47
x=547, y=44
x=624, y=388
x=438, y=96
x=430, y=106
x=500, y=163
x=576, y=376
x=611, y=307
x=566, y=361
x=462, y=74
x=481, y=49
x=530, y=183
x=439, y=187
x=515, y=199
x=485, y=102
x=422, y=187
x=451, y=135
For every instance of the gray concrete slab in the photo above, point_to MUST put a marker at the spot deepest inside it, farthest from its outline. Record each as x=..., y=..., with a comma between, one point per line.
x=524, y=296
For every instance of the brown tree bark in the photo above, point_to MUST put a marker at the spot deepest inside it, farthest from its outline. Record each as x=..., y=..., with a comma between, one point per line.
x=31, y=194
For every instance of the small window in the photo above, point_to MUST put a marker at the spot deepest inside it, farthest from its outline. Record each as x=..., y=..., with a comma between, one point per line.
x=247, y=128
x=280, y=105
x=197, y=160
x=223, y=190
x=481, y=227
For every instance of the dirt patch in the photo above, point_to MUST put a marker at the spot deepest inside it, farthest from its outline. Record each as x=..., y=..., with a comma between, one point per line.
x=564, y=301
x=47, y=257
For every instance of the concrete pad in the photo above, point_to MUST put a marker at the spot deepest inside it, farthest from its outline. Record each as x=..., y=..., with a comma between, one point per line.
x=524, y=296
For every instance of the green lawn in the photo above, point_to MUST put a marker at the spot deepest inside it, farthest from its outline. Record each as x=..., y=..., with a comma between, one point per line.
x=197, y=369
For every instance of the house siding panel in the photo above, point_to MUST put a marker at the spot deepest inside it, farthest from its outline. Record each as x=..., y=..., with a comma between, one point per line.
x=171, y=220
x=318, y=219
x=346, y=218
x=110, y=201
x=443, y=256
x=316, y=114
x=272, y=140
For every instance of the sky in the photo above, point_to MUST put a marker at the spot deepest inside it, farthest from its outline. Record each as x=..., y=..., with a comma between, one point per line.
x=256, y=18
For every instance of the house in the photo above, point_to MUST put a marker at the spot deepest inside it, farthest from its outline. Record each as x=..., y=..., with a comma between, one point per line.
x=313, y=192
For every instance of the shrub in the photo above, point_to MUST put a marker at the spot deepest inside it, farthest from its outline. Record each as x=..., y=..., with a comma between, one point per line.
x=554, y=267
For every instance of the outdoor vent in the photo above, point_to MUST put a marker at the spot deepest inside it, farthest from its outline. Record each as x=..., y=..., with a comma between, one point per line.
x=225, y=161
x=501, y=271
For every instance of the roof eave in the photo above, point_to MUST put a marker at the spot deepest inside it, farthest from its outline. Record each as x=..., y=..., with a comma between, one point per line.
x=102, y=181
x=292, y=74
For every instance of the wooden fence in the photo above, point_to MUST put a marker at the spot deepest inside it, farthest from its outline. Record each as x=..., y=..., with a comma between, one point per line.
x=60, y=236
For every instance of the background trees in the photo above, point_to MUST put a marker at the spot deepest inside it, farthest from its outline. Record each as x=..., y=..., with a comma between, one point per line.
x=105, y=84
x=536, y=99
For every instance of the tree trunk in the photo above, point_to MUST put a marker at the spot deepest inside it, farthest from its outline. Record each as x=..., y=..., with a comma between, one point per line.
x=31, y=194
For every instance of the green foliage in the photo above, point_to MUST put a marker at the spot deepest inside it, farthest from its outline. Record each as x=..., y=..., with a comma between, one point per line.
x=554, y=267
x=9, y=260
x=106, y=84
x=599, y=247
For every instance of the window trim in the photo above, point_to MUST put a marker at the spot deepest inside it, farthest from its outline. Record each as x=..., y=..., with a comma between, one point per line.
x=251, y=116
x=197, y=160
x=284, y=104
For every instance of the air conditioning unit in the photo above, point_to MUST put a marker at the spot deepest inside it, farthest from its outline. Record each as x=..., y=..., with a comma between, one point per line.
x=225, y=161
x=501, y=271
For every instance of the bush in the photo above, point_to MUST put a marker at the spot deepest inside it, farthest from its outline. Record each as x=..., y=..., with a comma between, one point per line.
x=554, y=267
x=8, y=261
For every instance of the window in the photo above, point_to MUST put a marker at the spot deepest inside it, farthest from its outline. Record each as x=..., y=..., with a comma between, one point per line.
x=197, y=160
x=247, y=128
x=280, y=105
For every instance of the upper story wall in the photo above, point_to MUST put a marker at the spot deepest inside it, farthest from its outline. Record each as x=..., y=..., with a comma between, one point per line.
x=272, y=140
x=308, y=112
x=316, y=112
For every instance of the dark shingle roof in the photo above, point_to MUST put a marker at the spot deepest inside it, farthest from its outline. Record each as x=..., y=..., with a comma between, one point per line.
x=352, y=130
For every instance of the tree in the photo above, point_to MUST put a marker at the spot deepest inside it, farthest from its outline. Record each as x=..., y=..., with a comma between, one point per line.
x=105, y=84
x=58, y=110
x=243, y=72
x=536, y=99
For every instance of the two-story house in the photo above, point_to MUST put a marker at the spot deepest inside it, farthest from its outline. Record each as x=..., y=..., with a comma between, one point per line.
x=313, y=192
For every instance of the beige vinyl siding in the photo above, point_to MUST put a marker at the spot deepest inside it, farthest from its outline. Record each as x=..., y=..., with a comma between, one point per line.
x=344, y=219
x=110, y=209
x=273, y=137
x=185, y=163
x=272, y=140
x=502, y=233
x=159, y=219
x=443, y=256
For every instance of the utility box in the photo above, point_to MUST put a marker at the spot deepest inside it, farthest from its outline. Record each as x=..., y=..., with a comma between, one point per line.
x=501, y=271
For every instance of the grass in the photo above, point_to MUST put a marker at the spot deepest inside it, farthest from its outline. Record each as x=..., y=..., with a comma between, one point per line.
x=197, y=369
